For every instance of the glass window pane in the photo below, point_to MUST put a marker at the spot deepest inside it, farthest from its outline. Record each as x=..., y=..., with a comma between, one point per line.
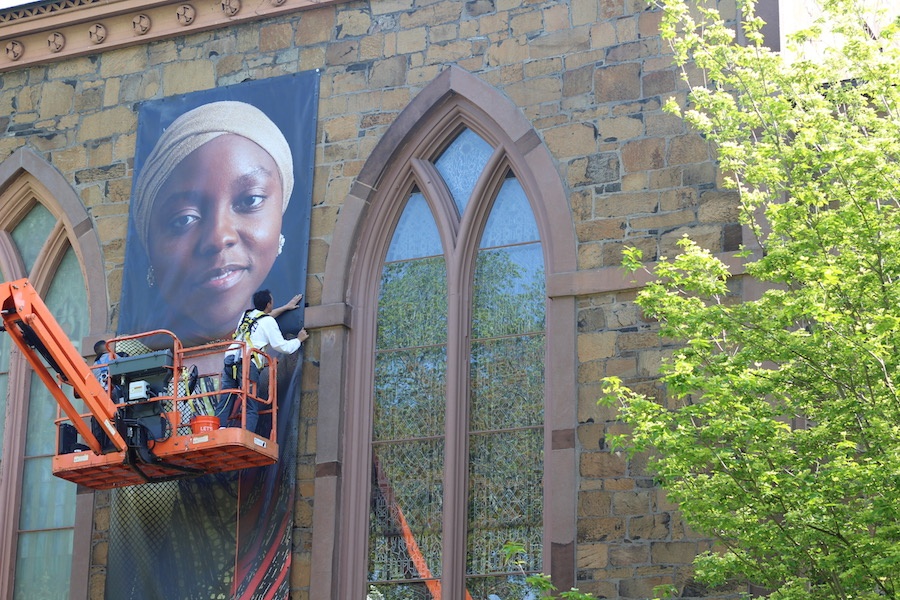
x=506, y=394
x=403, y=591
x=43, y=565
x=507, y=383
x=67, y=301
x=410, y=393
x=410, y=389
x=32, y=232
x=405, y=517
x=509, y=291
x=416, y=234
x=511, y=220
x=412, y=306
x=461, y=164
x=505, y=499
x=42, y=410
x=49, y=504
x=506, y=456
x=506, y=587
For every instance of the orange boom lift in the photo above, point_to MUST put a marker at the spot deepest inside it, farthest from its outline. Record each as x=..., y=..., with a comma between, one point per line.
x=141, y=426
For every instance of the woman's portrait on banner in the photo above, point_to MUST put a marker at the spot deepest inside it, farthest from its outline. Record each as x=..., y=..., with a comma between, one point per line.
x=208, y=209
x=220, y=209
x=211, y=224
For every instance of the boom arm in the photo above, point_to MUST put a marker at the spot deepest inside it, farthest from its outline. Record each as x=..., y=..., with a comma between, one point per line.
x=37, y=334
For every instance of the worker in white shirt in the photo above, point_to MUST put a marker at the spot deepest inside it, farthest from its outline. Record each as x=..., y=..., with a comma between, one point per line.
x=258, y=330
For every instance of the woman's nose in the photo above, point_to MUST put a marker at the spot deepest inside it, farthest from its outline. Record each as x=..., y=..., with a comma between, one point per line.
x=220, y=233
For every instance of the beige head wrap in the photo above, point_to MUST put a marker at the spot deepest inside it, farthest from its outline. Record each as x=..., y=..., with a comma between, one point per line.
x=195, y=128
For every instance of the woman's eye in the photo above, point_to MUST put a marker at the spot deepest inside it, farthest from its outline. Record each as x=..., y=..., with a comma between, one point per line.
x=181, y=222
x=249, y=202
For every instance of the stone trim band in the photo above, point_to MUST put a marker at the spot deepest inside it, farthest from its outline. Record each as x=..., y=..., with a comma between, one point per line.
x=57, y=30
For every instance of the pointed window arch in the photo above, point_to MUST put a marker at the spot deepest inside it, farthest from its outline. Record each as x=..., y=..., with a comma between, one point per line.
x=45, y=235
x=452, y=420
x=465, y=379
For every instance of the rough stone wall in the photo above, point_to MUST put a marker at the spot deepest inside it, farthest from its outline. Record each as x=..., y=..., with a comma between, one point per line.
x=590, y=74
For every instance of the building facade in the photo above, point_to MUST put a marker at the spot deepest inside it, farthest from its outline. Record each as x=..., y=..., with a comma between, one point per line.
x=479, y=167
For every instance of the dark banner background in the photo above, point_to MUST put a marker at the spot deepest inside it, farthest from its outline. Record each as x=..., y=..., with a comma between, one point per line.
x=226, y=535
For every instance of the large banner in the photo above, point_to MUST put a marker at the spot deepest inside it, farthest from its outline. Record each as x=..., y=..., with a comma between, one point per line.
x=220, y=208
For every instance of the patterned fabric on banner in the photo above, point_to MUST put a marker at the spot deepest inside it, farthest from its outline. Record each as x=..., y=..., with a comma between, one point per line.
x=224, y=535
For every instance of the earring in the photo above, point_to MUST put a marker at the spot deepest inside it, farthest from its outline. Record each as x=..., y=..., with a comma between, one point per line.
x=151, y=277
x=280, y=242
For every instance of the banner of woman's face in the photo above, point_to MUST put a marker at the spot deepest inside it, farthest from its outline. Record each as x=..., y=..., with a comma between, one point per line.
x=220, y=207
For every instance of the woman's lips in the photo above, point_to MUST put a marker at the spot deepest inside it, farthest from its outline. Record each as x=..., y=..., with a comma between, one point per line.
x=223, y=278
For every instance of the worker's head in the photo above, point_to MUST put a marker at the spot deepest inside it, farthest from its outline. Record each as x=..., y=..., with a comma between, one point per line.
x=100, y=347
x=262, y=300
x=208, y=210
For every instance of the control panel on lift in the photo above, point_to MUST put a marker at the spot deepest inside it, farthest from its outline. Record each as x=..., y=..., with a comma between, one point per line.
x=135, y=381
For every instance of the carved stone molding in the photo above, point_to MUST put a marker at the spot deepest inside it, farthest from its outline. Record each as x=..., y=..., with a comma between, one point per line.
x=141, y=24
x=231, y=7
x=56, y=42
x=185, y=14
x=50, y=31
x=14, y=50
x=97, y=33
x=25, y=12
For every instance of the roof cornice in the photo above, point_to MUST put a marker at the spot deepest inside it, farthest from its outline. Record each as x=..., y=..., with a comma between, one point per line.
x=50, y=31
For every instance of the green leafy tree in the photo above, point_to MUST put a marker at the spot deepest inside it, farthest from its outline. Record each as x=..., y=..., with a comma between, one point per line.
x=779, y=433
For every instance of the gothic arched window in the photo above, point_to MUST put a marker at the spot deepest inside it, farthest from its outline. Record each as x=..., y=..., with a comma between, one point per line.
x=466, y=379
x=39, y=239
x=457, y=438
